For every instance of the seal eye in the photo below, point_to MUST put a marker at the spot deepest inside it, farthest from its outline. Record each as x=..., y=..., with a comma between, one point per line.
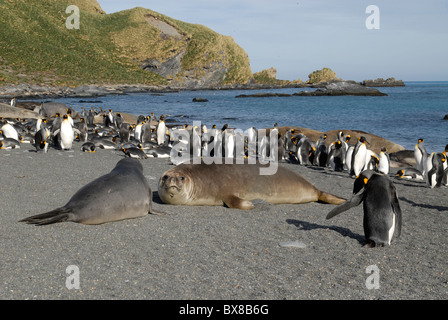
x=182, y=178
x=164, y=177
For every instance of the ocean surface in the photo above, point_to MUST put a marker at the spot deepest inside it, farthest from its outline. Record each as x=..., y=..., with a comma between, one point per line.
x=405, y=115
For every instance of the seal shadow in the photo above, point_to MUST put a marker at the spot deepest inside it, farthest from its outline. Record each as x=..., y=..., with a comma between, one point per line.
x=156, y=198
x=421, y=205
x=303, y=225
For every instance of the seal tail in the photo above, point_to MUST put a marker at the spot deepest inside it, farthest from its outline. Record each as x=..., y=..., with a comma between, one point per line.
x=54, y=216
x=330, y=198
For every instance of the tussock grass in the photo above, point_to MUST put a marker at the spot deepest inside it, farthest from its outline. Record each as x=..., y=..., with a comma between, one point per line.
x=36, y=47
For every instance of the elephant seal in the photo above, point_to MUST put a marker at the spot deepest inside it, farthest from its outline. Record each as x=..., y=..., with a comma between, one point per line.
x=235, y=185
x=121, y=194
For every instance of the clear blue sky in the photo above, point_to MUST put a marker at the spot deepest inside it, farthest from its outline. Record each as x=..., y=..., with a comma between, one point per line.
x=299, y=36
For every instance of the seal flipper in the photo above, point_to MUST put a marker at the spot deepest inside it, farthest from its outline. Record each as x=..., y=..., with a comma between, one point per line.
x=152, y=211
x=353, y=202
x=57, y=215
x=238, y=203
x=329, y=198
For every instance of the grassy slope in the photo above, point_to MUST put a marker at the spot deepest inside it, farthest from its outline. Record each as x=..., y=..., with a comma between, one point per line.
x=36, y=47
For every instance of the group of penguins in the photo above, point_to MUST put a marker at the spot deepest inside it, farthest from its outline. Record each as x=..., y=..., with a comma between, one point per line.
x=340, y=155
x=152, y=137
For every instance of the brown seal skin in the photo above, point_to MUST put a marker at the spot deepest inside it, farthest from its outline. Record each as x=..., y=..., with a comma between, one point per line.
x=235, y=185
x=123, y=193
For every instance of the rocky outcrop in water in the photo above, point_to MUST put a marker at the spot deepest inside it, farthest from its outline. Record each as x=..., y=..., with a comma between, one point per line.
x=380, y=82
x=342, y=88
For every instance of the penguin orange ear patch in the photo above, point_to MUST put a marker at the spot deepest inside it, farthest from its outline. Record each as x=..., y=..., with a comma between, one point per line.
x=366, y=180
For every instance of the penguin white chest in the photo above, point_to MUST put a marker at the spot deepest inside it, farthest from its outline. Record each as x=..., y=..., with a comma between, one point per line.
x=9, y=131
x=391, y=230
x=67, y=135
x=360, y=159
x=161, y=133
x=383, y=165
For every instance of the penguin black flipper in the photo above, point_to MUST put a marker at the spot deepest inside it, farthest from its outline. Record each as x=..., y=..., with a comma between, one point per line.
x=445, y=177
x=353, y=202
x=57, y=215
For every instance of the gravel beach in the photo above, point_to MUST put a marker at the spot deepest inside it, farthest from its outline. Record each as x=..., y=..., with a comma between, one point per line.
x=210, y=253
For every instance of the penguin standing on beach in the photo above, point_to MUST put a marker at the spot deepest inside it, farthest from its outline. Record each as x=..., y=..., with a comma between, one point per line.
x=435, y=169
x=384, y=162
x=90, y=118
x=336, y=158
x=382, y=213
x=41, y=140
x=358, y=160
x=146, y=135
x=305, y=151
x=125, y=132
x=83, y=131
x=321, y=156
x=161, y=130
x=420, y=155
x=66, y=133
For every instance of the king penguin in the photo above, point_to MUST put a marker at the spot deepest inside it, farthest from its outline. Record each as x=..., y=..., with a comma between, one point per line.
x=161, y=130
x=9, y=131
x=138, y=131
x=420, y=155
x=66, y=133
x=435, y=169
x=41, y=140
x=384, y=162
x=358, y=160
x=321, y=156
x=382, y=213
x=336, y=158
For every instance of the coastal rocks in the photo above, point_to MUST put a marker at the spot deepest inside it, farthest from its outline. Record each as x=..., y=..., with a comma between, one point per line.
x=7, y=111
x=167, y=69
x=380, y=82
x=31, y=91
x=263, y=95
x=375, y=142
x=445, y=117
x=199, y=100
x=342, y=88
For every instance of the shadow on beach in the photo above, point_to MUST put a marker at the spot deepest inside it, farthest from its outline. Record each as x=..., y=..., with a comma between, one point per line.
x=303, y=225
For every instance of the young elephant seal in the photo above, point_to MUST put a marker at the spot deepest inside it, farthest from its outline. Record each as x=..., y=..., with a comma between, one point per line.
x=235, y=185
x=121, y=194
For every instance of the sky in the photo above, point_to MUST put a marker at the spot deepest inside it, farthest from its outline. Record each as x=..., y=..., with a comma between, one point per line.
x=405, y=39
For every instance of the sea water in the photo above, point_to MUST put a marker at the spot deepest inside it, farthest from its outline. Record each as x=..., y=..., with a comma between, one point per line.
x=403, y=116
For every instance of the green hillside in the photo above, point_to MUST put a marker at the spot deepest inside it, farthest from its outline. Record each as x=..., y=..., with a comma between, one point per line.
x=37, y=48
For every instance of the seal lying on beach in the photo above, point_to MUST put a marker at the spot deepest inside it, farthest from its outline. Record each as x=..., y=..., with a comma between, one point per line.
x=235, y=185
x=121, y=194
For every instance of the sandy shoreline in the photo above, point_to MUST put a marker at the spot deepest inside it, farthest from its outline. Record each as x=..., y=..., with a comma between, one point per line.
x=209, y=252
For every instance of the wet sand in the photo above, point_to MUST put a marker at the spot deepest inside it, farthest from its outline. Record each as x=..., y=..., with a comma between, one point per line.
x=208, y=253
